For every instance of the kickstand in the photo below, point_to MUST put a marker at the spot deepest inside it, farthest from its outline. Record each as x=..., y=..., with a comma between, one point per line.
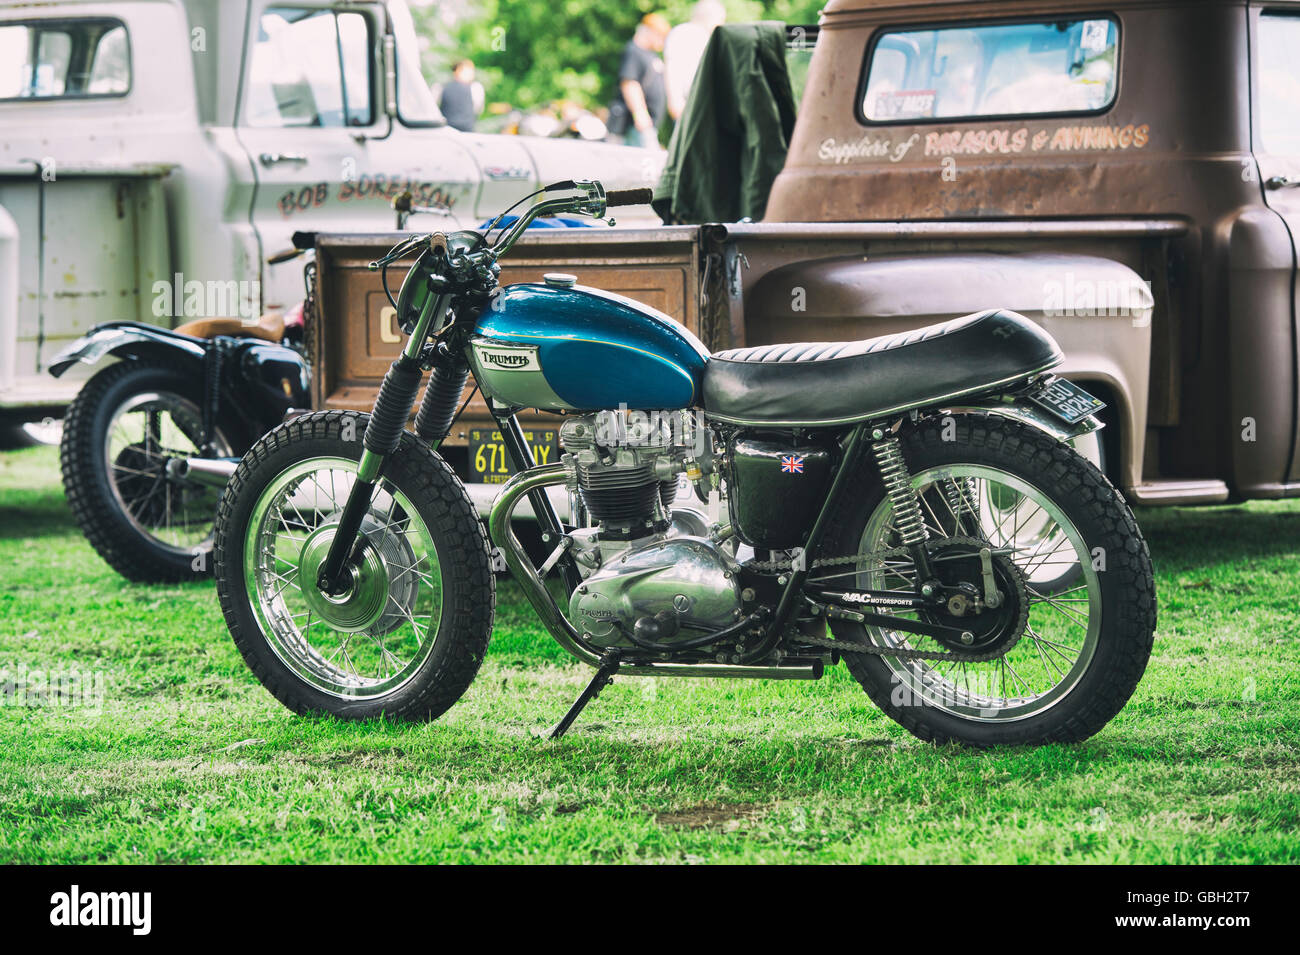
x=604, y=677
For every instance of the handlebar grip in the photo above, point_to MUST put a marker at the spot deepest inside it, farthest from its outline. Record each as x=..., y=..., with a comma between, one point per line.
x=628, y=197
x=284, y=256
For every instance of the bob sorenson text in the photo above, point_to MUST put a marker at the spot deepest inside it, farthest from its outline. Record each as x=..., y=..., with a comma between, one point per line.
x=103, y=908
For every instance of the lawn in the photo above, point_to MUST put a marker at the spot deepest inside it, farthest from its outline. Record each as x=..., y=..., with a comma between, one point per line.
x=183, y=757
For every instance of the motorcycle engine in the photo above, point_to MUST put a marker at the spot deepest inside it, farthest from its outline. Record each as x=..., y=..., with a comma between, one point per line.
x=648, y=569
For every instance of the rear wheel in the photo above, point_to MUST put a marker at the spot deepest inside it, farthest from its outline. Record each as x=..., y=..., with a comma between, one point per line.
x=1056, y=665
x=407, y=635
x=121, y=432
x=1045, y=535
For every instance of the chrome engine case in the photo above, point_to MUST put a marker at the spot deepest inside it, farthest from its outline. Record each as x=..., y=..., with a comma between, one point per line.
x=642, y=559
x=689, y=578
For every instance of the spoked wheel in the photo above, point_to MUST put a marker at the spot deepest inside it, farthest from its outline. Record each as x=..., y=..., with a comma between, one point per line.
x=1043, y=665
x=145, y=433
x=1036, y=532
x=408, y=631
x=122, y=431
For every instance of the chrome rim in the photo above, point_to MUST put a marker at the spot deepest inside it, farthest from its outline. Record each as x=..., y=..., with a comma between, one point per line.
x=1038, y=533
x=373, y=638
x=145, y=432
x=1060, y=636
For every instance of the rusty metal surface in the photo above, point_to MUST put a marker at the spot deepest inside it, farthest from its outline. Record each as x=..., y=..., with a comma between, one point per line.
x=769, y=231
x=1179, y=143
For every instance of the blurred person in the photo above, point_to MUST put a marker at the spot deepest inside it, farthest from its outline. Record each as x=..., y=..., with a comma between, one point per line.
x=642, y=99
x=579, y=123
x=462, y=98
x=685, y=47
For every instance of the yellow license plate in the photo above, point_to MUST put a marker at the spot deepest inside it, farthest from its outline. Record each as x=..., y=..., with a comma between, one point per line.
x=488, y=462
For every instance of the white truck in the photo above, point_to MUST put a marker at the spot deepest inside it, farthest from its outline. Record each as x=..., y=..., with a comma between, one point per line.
x=154, y=153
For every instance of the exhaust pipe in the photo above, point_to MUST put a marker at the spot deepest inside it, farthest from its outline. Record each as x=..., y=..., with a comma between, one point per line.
x=210, y=472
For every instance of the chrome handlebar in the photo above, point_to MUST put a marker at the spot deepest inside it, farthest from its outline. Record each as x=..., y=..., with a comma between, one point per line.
x=590, y=200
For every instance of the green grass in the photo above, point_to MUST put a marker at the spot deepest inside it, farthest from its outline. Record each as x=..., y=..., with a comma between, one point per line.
x=189, y=760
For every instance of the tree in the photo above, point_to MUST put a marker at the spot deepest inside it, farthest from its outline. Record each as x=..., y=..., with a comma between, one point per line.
x=529, y=54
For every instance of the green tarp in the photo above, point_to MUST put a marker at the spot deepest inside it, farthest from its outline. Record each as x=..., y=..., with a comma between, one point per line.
x=732, y=137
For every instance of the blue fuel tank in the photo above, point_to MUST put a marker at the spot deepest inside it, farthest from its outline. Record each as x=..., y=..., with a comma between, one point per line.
x=561, y=347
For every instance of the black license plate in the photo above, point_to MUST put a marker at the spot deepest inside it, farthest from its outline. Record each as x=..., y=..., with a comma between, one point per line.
x=488, y=462
x=1067, y=401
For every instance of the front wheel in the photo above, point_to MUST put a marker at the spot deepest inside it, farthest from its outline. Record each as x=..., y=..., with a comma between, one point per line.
x=1047, y=665
x=407, y=636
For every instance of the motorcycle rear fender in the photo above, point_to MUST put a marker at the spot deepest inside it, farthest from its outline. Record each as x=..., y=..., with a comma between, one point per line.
x=124, y=339
x=1019, y=408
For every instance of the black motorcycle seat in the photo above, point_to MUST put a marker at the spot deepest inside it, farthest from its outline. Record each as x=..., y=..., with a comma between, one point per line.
x=824, y=383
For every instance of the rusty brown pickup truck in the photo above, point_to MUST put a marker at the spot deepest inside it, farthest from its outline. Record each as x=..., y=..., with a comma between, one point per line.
x=1128, y=177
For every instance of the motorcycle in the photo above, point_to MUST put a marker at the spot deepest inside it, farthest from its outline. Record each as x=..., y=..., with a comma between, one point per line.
x=151, y=440
x=873, y=495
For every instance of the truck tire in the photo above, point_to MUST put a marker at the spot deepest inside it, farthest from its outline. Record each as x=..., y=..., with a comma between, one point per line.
x=360, y=654
x=1110, y=613
x=146, y=526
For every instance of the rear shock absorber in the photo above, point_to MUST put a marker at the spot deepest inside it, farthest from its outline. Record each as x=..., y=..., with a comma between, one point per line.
x=898, y=486
x=212, y=367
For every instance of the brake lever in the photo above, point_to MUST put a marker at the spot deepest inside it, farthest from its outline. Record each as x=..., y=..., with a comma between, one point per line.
x=433, y=241
x=403, y=249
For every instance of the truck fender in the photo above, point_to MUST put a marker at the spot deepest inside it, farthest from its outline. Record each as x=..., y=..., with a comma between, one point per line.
x=125, y=339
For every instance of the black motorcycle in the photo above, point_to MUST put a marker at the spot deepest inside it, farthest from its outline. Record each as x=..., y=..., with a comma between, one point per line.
x=151, y=440
x=915, y=494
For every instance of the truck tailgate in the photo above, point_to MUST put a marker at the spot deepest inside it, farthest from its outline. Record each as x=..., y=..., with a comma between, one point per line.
x=90, y=248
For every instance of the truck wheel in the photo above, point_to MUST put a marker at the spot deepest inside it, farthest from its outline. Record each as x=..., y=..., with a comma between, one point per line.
x=119, y=434
x=408, y=635
x=1054, y=667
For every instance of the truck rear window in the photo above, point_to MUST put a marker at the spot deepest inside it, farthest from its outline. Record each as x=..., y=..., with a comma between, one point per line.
x=1007, y=69
x=64, y=59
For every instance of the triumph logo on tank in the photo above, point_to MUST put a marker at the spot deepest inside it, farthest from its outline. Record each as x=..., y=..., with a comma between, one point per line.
x=508, y=359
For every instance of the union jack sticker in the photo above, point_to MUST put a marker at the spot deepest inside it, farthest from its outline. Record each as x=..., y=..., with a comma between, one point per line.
x=792, y=463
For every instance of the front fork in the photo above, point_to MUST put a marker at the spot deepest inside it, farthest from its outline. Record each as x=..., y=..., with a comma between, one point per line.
x=382, y=436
